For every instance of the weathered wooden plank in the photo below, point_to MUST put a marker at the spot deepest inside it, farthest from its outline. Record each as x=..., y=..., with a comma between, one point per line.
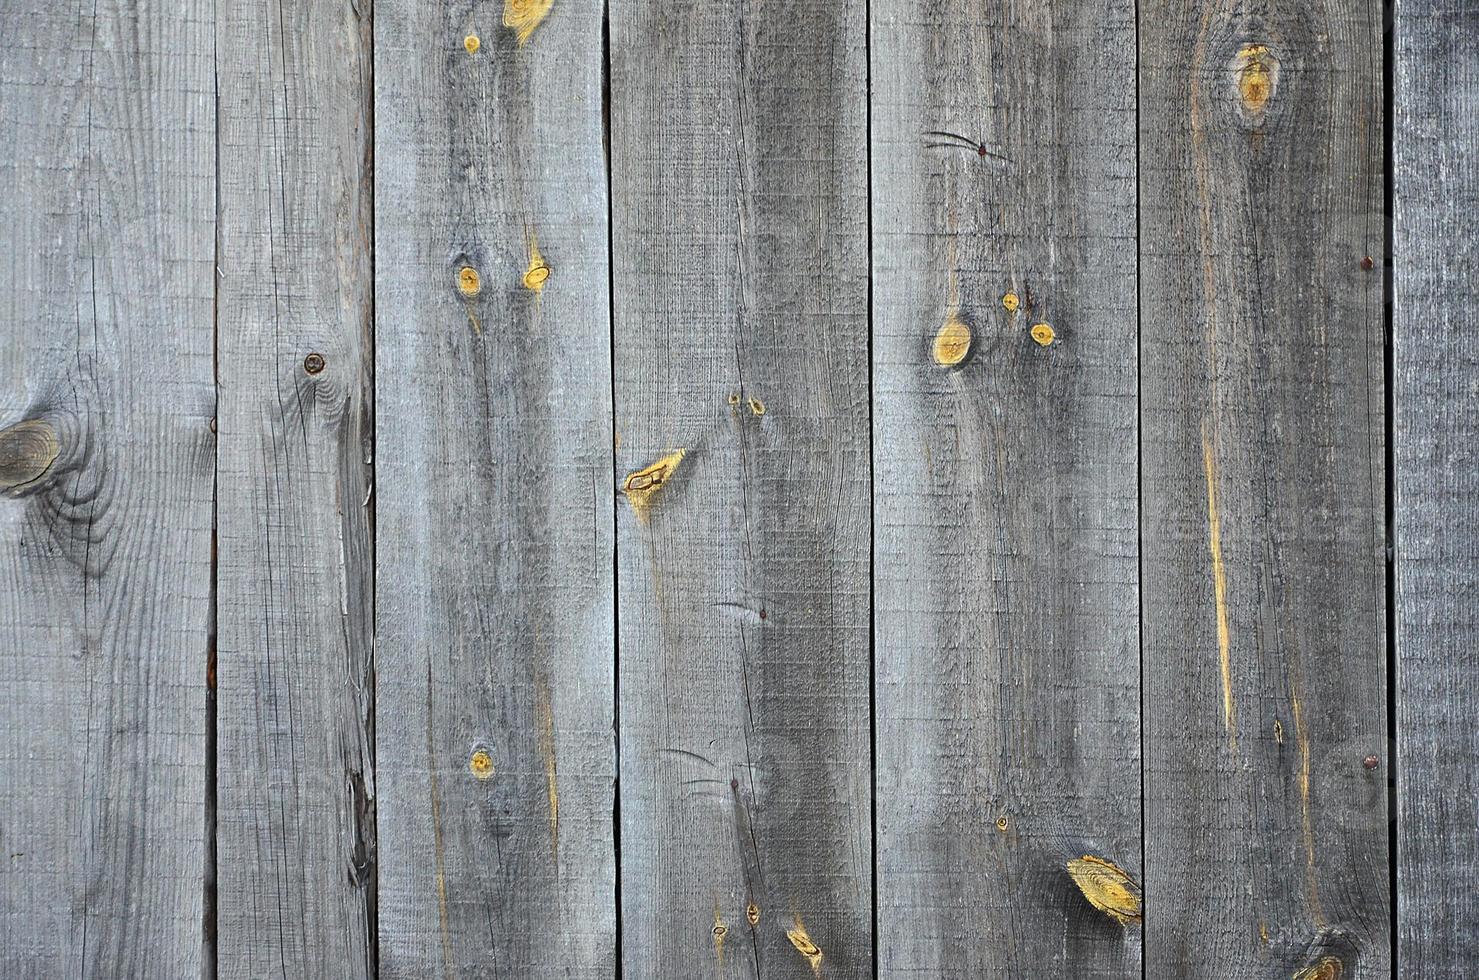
x=294, y=817
x=495, y=645
x=1435, y=161
x=740, y=291
x=1007, y=632
x=108, y=137
x=1263, y=477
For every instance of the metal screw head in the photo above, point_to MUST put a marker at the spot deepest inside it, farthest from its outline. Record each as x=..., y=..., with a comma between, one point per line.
x=1368, y=264
x=1370, y=762
x=313, y=363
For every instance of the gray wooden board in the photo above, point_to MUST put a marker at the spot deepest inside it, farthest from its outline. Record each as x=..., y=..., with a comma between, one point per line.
x=1263, y=481
x=294, y=817
x=108, y=135
x=741, y=338
x=1006, y=630
x=1436, y=415
x=494, y=510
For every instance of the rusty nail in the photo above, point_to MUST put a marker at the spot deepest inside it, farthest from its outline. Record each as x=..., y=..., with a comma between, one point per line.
x=1368, y=264
x=1370, y=762
x=313, y=363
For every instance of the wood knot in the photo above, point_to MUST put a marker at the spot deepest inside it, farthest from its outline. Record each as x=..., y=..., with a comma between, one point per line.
x=27, y=451
x=1010, y=302
x=804, y=945
x=1108, y=887
x=535, y=277
x=1257, y=72
x=752, y=914
x=313, y=363
x=1043, y=333
x=472, y=42
x=481, y=764
x=642, y=486
x=523, y=16
x=537, y=272
x=1329, y=968
x=953, y=342
x=469, y=283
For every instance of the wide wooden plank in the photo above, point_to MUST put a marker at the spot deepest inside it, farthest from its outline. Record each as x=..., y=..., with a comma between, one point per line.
x=738, y=150
x=294, y=807
x=495, y=648
x=107, y=147
x=1435, y=161
x=1007, y=636
x=1263, y=487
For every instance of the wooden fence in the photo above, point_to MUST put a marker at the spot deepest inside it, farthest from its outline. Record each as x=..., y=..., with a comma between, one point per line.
x=712, y=488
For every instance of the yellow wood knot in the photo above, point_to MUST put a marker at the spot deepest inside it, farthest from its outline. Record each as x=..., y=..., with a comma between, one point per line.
x=642, y=486
x=1043, y=333
x=1010, y=302
x=1278, y=731
x=1002, y=823
x=1257, y=73
x=523, y=16
x=757, y=407
x=27, y=450
x=469, y=283
x=719, y=931
x=734, y=398
x=538, y=270
x=752, y=913
x=535, y=277
x=953, y=342
x=1108, y=887
x=481, y=764
x=472, y=42
x=1329, y=968
x=805, y=946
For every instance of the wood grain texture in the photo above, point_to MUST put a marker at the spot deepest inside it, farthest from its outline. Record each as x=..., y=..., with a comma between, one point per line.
x=741, y=338
x=107, y=159
x=1263, y=483
x=1435, y=163
x=494, y=652
x=295, y=576
x=1006, y=633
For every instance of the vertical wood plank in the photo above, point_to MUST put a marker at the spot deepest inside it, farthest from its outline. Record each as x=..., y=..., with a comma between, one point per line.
x=1436, y=416
x=294, y=817
x=495, y=646
x=106, y=455
x=1264, y=488
x=740, y=297
x=1007, y=639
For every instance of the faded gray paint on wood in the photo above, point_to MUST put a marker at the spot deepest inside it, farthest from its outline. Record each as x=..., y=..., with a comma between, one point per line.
x=1006, y=633
x=741, y=337
x=1436, y=418
x=294, y=817
x=494, y=516
x=1263, y=489
x=108, y=134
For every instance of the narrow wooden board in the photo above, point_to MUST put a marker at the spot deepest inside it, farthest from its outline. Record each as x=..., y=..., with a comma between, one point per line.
x=294, y=817
x=1263, y=483
x=107, y=144
x=1007, y=639
x=494, y=653
x=739, y=196
x=1435, y=160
